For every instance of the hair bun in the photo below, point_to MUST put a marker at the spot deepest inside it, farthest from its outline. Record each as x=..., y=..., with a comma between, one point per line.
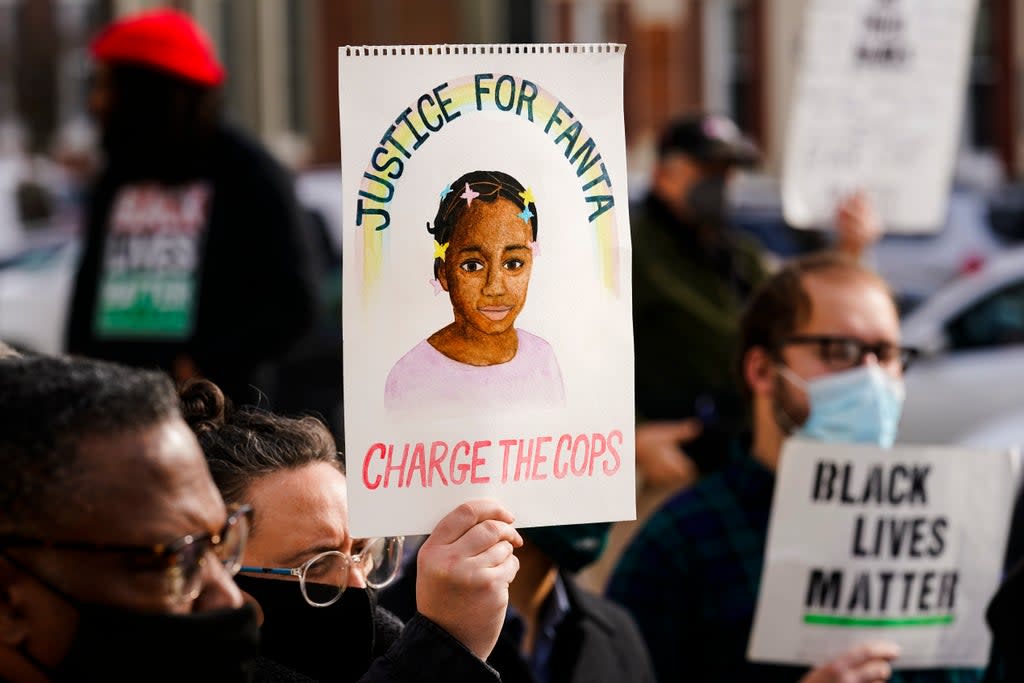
x=203, y=405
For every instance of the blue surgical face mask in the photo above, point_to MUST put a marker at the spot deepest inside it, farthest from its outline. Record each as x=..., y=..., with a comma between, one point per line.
x=861, y=405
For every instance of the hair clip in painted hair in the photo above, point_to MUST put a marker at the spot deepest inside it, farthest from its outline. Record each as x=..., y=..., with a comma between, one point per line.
x=525, y=214
x=446, y=191
x=436, y=284
x=469, y=195
x=535, y=248
x=440, y=249
x=527, y=196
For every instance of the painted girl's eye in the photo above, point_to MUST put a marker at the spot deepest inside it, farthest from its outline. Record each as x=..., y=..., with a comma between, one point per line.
x=471, y=266
x=513, y=264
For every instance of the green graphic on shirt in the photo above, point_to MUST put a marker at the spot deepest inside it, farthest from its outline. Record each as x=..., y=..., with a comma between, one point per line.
x=146, y=304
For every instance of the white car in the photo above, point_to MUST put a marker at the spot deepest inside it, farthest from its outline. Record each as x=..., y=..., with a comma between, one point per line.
x=917, y=265
x=319, y=190
x=913, y=265
x=1000, y=432
x=35, y=287
x=968, y=385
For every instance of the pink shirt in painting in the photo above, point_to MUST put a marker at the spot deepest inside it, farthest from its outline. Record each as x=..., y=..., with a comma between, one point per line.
x=427, y=382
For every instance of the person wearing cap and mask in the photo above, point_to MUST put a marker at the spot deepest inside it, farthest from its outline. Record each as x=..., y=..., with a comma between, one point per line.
x=820, y=357
x=196, y=259
x=555, y=631
x=691, y=277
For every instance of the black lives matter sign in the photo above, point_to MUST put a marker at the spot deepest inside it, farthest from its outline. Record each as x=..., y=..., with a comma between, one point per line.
x=889, y=525
x=904, y=544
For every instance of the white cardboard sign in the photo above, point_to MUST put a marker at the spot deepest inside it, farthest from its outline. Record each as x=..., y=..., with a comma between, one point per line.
x=876, y=105
x=904, y=544
x=487, y=319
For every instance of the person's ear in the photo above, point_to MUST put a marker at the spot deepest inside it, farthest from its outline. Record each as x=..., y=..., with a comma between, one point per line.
x=759, y=371
x=13, y=618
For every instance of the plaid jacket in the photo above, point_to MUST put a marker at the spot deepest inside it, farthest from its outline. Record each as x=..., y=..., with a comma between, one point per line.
x=690, y=578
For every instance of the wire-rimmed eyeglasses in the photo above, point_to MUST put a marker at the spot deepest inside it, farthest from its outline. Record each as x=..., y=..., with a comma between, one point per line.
x=323, y=578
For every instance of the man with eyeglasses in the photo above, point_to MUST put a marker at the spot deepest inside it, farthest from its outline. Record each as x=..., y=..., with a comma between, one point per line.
x=820, y=357
x=692, y=274
x=116, y=550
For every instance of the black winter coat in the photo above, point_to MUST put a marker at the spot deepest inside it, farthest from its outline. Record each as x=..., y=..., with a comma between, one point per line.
x=597, y=642
x=257, y=290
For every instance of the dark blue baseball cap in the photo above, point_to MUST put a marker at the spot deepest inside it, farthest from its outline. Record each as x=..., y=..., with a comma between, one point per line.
x=709, y=138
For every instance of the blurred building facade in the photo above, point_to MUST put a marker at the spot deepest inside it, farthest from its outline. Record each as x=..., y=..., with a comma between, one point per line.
x=733, y=56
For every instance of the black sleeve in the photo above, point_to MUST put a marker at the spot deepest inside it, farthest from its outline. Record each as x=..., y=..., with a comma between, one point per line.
x=78, y=331
x=1003, y=616
x=426, y=653
x=632, y=650
x=260, y=293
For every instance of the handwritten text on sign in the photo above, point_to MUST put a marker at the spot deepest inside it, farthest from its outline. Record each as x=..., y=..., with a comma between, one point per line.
x=904, y=544
x=877, y=100
x=925, y=595
x=440, y=463
x=505, y=93
x=477, y=181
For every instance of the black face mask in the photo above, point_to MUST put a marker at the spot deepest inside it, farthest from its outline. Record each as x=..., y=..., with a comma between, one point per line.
x=117, y=644
x=571, y=546
x=706, y=202
x=333, y=643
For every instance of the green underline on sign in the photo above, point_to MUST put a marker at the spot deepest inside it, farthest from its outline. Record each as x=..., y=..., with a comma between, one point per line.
x=867, y=622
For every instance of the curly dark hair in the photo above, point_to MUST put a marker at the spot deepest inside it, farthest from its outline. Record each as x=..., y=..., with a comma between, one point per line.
x=491, y=185
x=244, y=445
x=48, y=406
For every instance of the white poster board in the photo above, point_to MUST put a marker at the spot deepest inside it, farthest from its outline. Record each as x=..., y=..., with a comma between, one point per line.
x=440, y=405
x=904, y=544
x=877, y=103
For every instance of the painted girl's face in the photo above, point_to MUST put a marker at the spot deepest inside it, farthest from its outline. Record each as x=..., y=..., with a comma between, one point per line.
x=487, y=266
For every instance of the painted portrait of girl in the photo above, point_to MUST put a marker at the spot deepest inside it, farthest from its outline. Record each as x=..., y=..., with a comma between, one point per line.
x=485, y=244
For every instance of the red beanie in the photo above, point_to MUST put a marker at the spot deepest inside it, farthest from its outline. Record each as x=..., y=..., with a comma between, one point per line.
x=163, y=39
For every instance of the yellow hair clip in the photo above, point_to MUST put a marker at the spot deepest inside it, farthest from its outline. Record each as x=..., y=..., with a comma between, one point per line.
x=440, y=249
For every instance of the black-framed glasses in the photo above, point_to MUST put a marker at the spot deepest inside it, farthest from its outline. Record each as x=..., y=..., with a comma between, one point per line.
x=182, y=558
x=323, y=578
x=841, y=352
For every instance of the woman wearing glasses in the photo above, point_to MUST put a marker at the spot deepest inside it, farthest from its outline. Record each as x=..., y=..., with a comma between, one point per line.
x=314, y=583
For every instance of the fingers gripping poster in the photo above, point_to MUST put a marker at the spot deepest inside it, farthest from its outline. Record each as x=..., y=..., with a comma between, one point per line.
x=486, y=288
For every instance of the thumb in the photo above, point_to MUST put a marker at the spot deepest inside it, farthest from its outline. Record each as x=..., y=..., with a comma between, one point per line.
x=687, y=430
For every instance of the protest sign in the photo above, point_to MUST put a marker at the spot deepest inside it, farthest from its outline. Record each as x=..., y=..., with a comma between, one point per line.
x=877, y=103
x=903, y=544
x=472, y=174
